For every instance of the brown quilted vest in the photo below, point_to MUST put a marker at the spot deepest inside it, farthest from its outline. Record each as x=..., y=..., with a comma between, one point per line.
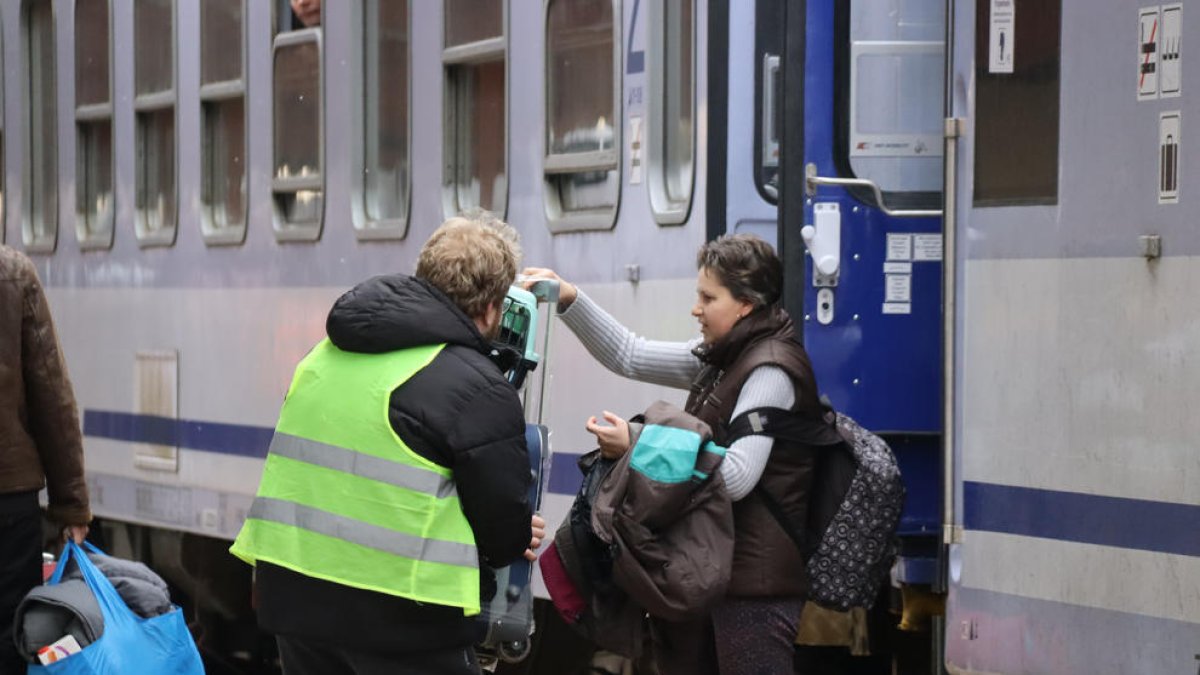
x=766, y=561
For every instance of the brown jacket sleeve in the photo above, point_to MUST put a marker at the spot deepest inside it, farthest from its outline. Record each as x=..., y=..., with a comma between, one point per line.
x=53, y=417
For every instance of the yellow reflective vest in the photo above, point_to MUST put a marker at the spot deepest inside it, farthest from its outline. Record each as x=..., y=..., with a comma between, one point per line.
x=344, y=499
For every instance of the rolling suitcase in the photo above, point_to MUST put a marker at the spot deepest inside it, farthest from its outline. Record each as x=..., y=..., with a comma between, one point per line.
x=506, y=622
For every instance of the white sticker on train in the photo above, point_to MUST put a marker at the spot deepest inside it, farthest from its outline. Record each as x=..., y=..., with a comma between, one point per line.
x=899, y=247
x=927, y=247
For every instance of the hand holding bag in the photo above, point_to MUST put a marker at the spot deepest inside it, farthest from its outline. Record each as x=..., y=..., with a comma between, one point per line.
x=129, y=644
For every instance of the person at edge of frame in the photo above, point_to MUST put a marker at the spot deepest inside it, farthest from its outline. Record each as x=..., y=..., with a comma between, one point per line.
x=40, y=442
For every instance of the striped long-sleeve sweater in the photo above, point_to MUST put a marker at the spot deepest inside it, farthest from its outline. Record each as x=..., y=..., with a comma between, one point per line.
x=672, y=364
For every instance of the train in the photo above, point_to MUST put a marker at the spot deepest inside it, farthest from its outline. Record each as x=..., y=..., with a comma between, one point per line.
x=981, y=208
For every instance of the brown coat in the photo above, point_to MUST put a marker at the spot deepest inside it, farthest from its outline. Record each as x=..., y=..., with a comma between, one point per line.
x=40, y=443
x=766, y=561
x=673, y=538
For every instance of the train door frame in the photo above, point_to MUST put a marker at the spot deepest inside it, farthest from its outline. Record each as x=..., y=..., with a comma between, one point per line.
x=815, y=166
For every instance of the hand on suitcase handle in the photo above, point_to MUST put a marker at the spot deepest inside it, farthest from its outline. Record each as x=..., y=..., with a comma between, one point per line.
x=531, y=276
x=538, y=532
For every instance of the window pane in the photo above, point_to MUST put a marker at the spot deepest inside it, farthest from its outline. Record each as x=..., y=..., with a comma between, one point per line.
x=385, y=174
x=154, y=64
x=297, y=110
x=224, y=162
x=220, y=40
x=579, y=35
x=677, y=105
x=156, y=170
x=91, y=52
x=895, y=115
x=94, y=191
x=42, y=144
x=480, y=142
x=1017, y=113
x=473, y=20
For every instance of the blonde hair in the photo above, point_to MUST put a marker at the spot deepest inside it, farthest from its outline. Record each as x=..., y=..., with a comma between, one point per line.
x=473, y=259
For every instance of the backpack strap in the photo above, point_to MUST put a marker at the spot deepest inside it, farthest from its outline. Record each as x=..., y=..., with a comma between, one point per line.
x=781, y=517
x=788, y=425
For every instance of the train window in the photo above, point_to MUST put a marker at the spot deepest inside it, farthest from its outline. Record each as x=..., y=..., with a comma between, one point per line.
x=94, y=207
x=298, y=186
x=1016, y=114
x=39, y=211
x=222, y=122
x=154, y=109
x=671, y=149
x=583, y=128
x=476, y=114
x=381, y=199
x=897, y=76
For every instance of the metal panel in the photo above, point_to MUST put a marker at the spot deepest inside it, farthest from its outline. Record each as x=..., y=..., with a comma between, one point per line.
x=156, y=393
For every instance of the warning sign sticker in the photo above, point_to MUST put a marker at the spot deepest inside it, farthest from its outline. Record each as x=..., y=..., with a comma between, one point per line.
x=635, y=150
x=1168, y=157
x=1002, y=36
x=1170, y=80
x=1147, y=53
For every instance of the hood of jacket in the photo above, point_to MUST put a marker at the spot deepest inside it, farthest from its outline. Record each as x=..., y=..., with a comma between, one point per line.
x=396, y=311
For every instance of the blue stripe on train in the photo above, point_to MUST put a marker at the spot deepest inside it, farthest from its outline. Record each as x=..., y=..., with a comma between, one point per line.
x=1050, y=514
x=247, y=441
x=229, y=439
x=1090, y=519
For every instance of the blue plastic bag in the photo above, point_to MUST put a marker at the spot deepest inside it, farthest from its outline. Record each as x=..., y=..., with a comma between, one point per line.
x=130, y=644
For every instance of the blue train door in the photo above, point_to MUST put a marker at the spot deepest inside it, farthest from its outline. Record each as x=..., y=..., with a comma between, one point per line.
x=860, y=228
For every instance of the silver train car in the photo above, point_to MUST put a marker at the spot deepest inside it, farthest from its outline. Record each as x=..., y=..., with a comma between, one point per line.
x=197, y=180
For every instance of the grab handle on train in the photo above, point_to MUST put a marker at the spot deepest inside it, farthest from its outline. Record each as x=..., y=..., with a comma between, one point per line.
x=812, y=180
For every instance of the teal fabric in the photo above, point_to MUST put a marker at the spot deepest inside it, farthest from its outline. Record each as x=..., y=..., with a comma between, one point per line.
x=665, y=454
x=711, y=448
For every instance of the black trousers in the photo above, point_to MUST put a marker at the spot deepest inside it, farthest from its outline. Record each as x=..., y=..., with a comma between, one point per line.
x=20, y=567
x=306, y=657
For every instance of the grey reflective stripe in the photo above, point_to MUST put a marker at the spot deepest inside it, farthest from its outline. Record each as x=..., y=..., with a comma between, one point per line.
x=366, y=466
x=364, y=534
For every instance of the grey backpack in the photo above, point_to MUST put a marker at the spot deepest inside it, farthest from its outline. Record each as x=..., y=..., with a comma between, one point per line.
x=854, y=510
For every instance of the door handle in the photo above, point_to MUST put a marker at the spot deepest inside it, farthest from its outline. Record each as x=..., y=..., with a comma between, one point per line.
x=812, y=180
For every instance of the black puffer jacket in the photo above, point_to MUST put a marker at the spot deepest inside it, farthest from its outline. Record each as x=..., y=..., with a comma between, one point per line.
x=458, y=412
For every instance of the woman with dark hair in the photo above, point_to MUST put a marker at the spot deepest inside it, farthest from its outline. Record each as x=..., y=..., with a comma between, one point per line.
x=746, y=357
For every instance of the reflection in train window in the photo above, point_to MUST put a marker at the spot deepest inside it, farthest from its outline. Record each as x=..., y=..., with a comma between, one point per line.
x=671, y=146
x=222, y=122
x=154, y=106
x=475, y=147
x=298, y=182
x=381, y=200
x=896, y=94
x=39, y=210
x=582, y=123
x=94, y=206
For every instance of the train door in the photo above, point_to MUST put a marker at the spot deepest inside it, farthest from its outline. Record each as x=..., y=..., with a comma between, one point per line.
x=860, y=229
